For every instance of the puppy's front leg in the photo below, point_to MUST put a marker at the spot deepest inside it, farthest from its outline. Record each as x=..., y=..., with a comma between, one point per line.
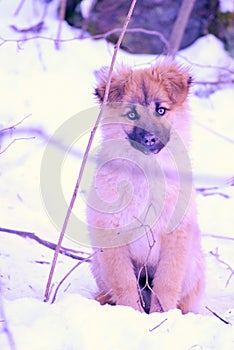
x=114, y=273
x=170, y=271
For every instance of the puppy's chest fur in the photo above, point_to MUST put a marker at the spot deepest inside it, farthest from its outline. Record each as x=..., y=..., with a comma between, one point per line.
x=141, y=199
x=145, y=250
x=133, y=193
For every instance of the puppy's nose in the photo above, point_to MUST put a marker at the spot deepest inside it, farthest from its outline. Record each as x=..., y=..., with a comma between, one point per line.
x=149, y=139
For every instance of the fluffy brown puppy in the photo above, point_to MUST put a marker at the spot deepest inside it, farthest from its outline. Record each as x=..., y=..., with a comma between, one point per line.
x=141, y=210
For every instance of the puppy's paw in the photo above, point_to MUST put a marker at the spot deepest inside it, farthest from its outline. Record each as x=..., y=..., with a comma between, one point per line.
x=132, y=302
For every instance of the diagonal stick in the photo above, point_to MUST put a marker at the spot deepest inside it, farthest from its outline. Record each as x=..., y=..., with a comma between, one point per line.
x=105, y=100
x=62, y=12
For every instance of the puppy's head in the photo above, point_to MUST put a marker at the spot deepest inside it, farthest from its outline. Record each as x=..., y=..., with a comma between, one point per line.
x=149, y=101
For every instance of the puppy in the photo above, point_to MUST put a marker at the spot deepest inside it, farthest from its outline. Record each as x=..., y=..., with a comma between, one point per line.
x=141, y=208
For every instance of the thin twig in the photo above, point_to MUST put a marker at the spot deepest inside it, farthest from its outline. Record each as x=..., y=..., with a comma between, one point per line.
x=88, y=259
x=229, y=278
x=136, y=30
x=158, y=325
x=35, y=28
x=211, y=191
x=217, y=236
x=19, y=7
x=62, y=12
x=206, y=66
x=5, y=325
x=71, y=253
x=216, y=315
x=228, y=80
x=13, y=141
x=12, y=127
x=216, y=255
x=94, y=37
x=93, y=132
x=180, y=25
x=151, y=242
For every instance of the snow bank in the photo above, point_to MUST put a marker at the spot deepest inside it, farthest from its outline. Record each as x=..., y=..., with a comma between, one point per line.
x=78, y=323
x=226, y=5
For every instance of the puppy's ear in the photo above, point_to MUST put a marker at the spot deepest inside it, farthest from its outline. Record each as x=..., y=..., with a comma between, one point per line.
x=117, y=86
x=178, y=83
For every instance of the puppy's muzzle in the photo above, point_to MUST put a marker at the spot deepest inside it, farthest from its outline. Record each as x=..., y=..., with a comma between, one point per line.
x=146, y=141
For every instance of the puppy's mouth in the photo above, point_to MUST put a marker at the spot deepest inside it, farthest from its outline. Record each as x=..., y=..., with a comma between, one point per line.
x=146, y=142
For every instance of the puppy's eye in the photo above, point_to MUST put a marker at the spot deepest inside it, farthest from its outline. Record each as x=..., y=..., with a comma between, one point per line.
x=132, y=115
x=160, y=111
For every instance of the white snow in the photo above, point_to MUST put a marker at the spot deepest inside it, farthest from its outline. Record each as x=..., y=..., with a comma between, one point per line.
x=85, y=7
x=50, y=86
x=226, y=5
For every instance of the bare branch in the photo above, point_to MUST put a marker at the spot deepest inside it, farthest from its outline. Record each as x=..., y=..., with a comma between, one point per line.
x=144, y=268
x=62, y=12
x=36, y=28
x=180, y=25
x=21, y=4
x=217, y=236
x=15, y=125
x=227, y=80
x=5, y=325
x=81, y=171
x=136, y=30
x=158, y=325
x=216, y=315
x=88, y=259
x=95, y=37
x=230, y=181
x=216, y=190
x=11, y=129
x=13, y=141
x=71, y=253
x=216, y=83
x=209, y=66
x=211, y=191
x=216, y=255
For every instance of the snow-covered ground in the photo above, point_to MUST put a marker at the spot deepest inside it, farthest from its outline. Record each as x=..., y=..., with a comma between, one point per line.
x=48, y=87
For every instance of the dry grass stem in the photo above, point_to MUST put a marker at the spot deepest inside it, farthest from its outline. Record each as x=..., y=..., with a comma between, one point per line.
x=93, y=132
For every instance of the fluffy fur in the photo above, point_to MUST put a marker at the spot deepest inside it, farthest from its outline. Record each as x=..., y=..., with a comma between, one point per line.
x=141, y=209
